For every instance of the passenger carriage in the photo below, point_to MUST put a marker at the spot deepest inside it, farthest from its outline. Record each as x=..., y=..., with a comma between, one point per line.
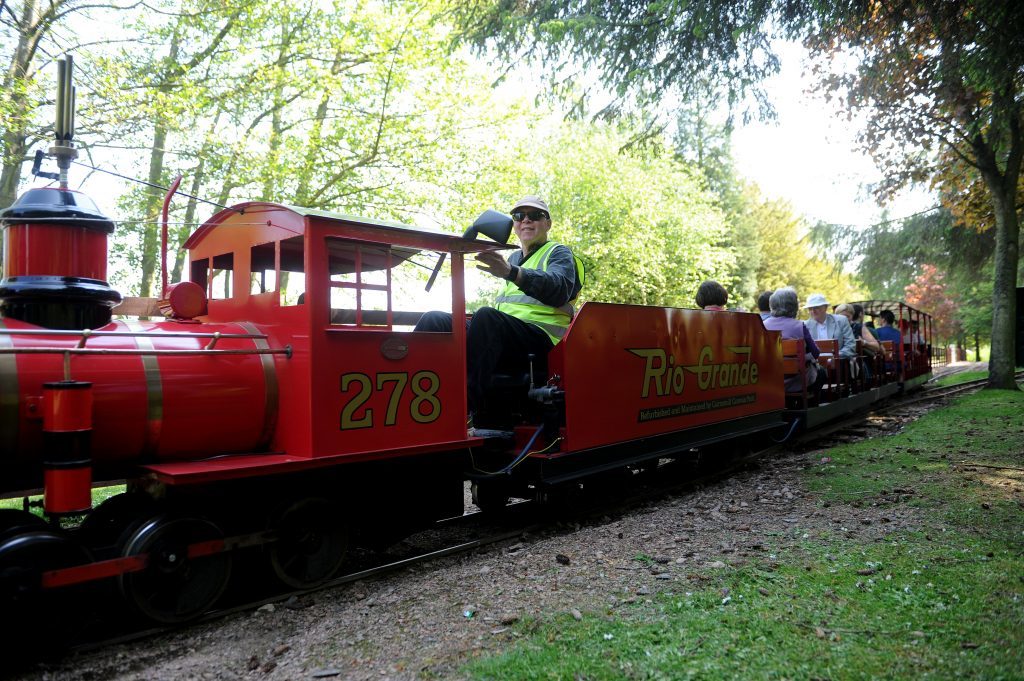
x=904, y=366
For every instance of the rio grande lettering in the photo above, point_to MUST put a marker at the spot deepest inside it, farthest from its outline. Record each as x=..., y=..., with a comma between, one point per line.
x=663, y=377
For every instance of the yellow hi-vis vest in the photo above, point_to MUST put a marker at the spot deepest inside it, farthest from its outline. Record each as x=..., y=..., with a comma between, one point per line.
x=554, y=321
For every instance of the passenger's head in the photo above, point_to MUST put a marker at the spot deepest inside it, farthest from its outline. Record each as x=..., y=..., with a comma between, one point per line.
x=846, y=310
x=531, y=220
x=762, y=302
x=784, y=302
x=858, y=312
x=711, y=293
x=887, y=317
x=817, y=305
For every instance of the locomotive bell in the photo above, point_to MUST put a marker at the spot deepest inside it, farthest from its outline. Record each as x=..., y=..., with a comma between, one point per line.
x=55, y=261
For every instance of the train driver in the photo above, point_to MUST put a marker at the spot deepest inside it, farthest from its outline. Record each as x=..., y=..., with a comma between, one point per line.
x=532, y=312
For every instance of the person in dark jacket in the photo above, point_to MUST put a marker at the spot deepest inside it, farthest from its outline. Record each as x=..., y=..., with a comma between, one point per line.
x=764, y=307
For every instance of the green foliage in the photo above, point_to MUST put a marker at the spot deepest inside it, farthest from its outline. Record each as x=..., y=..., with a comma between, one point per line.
x=648, y=228
x=940, y=598
x=33, y=33
x=767, y=238
x=642, y=52
x=645, y=226
x=787, y=256
x=350, y=107
x=890, y=256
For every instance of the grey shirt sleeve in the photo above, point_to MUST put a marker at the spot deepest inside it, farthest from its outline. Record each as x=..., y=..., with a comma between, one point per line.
x=556, y=286
x=848, y=344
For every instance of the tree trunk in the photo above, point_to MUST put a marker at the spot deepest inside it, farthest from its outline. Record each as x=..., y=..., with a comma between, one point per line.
x=10, y=176
x=977, y=347
x=1004, y=293
x=150, y=240
x=151, y=210
x=15, y=126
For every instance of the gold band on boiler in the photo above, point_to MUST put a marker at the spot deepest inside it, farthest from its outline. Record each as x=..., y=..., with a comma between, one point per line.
x=154, y=392
x=10, y=397
x=270, y=384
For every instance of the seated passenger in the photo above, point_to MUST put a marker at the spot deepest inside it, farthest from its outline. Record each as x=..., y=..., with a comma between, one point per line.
x=858, y=316
x=887, y=332
x=764, y=305
x=532, y=312
x=712, y=296
x=784, y=304
x=825, y=326
x=870, y=346
x=916, y=338
x=860, y=332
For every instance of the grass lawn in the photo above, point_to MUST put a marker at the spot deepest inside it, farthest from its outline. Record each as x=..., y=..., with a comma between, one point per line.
x=960, y=377
x=941, y=597
x=99, y=495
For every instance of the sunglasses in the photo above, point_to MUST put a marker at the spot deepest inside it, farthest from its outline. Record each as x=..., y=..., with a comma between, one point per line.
x=534, y=215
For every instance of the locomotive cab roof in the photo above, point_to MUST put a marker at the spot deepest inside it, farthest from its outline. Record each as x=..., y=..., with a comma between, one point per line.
x=257, y=259
x=257, y=214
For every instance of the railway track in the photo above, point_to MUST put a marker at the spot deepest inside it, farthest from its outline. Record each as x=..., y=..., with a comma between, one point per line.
x=475, y=530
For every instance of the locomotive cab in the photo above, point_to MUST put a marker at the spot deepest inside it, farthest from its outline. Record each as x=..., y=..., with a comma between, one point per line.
x=330, y=287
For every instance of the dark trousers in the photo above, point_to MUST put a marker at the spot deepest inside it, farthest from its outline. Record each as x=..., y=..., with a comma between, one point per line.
x=494, y=340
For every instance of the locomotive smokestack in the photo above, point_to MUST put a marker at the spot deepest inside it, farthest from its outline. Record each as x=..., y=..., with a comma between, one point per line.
x=55, y=243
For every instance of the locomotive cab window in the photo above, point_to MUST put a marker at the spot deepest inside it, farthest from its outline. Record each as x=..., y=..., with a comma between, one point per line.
x=222, y=276
x=216, y=275
x=262, y=270
x=293, y=271
x=364, y=278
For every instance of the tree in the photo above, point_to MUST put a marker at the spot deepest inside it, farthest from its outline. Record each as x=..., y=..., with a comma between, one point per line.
x=889, y=254
x=929, y=292
x=788, y=256
x=706, y=143
x=646, y=226
x=346, y=107
x=937, y=74
x=929, y=74
x=639, y=50
x=32, y=38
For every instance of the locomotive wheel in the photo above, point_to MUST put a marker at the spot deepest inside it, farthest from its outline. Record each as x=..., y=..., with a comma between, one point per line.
x=310, y=543
x=38, y=617
x=174, y=588
x=108, y=521
x=14, y=522
x=490, y=497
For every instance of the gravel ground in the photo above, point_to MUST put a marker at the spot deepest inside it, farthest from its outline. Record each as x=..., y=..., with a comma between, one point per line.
x=414, y=623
